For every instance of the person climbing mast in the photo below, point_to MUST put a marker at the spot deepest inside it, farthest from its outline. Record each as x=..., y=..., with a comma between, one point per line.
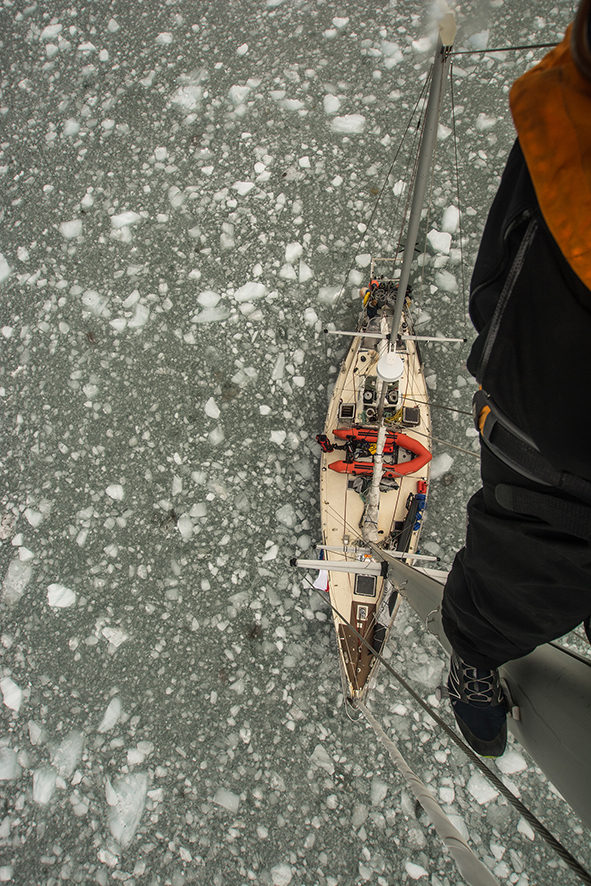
x=524, y=575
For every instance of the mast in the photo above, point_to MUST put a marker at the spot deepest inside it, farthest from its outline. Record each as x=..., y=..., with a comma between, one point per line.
x=390, y=367
x=447, y=33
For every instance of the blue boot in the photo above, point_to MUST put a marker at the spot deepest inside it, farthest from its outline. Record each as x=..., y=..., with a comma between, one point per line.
x=479, y=706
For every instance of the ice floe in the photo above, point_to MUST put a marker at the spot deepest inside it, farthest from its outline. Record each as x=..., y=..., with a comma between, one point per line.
x=126, y=799
x=60, y=597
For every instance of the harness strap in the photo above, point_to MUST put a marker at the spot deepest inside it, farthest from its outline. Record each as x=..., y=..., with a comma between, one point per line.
x=566, y=516
x=513, y=447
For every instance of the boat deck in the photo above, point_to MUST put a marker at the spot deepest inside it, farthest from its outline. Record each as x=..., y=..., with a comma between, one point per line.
x=358, y=598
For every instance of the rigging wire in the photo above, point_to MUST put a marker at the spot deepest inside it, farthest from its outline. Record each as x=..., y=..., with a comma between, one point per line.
x=383, y=188
x=438, y=406
x=504, y=49
x=523, y=810
x=455, y=137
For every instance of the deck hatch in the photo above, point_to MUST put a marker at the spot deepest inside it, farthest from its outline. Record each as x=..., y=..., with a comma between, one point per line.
x=365, y=585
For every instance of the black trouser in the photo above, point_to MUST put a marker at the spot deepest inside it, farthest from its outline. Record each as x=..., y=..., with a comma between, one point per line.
x=519, y=582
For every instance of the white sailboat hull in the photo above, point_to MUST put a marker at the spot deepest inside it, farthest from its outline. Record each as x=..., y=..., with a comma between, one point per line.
x=342, y=507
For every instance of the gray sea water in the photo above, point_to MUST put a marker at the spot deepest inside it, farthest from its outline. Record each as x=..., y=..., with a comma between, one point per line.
x=184, y=193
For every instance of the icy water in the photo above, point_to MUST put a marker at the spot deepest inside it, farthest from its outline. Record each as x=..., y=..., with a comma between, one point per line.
x=183, y=186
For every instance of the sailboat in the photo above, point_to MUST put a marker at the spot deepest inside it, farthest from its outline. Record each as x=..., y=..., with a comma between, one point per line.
x=374, y=480
x=374, y=468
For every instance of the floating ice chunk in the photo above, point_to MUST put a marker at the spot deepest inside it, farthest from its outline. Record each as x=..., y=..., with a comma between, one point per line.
x=526, y=829
x=15, y=581
x=71, y=127
x=278, y=437
x=188, y=97
x=281, y=875
x=291, y=104
x=422, y=45
x=279, y=368
x=113, y=26
x=176, y=197
x=110, y=793
x=440, y=241
x=331, y=104
x=340, y=22
x=363, y=260
x=287, y=272
x=71, y=229
x=242, y=49
x=185, y=526
x=379, y=789
x=227, y=799
x=123, y=219
x=32, y=517
x=351, y=124
x=216, y=436
x=208, y=299
x=134, y=756
x=446, y=281
x=140, y=317
x=293, y=251
x=305, y=272
x=87, y=47
x=481, y=789
x=94, y=301
x=320, y=758
x=9, y=766
x=511, y=762
x=243, y=188
x=415, y=871
x=164, y=38
x=250, y=292
x=286, y=515
x=238, y=94
x=126, y=806
x=392, y=54
x=60, y=597
x=484, y=122
x=131, y=299
x=310, y=316
x=64, y=758
x=36, y=733
x=212, y=409
x=111, y=715
x=211, y=315
x=5, y=269
x=328, y=295
x=115, y=636
x=441, y=465
x=115, y=491
x=51, y=31
x=479, y=40
x=451, y=219
x=43, y=785
x=271, y=553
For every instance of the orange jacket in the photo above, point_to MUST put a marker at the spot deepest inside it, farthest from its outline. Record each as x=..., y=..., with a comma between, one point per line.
x=551, y=107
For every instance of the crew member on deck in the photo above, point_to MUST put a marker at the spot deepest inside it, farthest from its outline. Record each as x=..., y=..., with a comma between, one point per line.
x=524, y=575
